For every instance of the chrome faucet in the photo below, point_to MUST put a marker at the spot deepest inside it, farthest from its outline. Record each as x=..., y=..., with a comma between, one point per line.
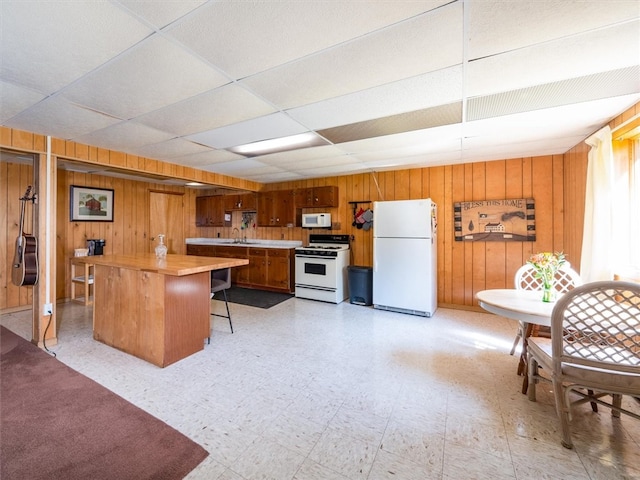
x=236, y=235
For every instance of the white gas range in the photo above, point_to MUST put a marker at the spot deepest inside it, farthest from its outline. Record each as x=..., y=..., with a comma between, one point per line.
x=321, y=268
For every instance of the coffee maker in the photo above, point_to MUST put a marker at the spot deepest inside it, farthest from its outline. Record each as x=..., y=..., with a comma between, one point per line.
x=95, y=246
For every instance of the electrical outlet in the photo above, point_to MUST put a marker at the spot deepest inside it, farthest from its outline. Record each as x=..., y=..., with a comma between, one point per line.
x=47, y=309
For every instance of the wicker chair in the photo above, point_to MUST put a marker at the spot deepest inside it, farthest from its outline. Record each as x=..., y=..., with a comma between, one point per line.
x=566, y=278
x=594, y=347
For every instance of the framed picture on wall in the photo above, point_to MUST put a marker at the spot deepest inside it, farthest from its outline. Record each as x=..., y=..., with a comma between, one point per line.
x=89, y=204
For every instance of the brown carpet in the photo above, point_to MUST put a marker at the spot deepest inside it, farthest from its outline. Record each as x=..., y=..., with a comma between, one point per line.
x=55, y=423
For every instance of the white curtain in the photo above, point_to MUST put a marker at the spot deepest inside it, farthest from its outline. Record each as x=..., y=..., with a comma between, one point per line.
x=598, y=235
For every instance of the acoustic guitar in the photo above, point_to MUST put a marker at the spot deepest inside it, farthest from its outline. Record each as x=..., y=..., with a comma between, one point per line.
x=25, y=263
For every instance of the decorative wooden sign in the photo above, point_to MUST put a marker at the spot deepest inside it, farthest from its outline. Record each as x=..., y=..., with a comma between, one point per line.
x=495, y=220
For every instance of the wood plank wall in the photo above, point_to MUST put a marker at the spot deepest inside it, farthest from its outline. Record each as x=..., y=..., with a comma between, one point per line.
x=463, y=267
x=14, y=179
x=129, y=231
x=556, y=182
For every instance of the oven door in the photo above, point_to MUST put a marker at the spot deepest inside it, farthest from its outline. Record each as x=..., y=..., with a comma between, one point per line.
x=316, y=272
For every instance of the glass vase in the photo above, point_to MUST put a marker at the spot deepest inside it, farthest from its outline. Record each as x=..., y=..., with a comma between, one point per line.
x=548, y=292
x=161, y=248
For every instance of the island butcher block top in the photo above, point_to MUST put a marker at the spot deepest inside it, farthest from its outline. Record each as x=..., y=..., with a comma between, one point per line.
x=176, y=265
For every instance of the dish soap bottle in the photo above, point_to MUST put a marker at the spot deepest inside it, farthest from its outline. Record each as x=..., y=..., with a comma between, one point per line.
x=161, y=248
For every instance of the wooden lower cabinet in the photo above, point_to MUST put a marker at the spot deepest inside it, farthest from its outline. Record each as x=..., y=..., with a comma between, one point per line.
x=258, y=267
x=232, y=252
x=202, y=250
x=279, y=269
x=268, y=269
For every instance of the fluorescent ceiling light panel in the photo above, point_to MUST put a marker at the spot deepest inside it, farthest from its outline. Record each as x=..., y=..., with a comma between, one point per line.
x=282, y=144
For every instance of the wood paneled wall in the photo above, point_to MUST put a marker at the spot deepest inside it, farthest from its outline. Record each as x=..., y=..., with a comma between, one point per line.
x=129, y=231
x=463, y=267
x=556, y=182
x=14, y=179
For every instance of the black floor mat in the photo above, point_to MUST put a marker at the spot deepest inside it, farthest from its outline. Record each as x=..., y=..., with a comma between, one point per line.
x=253, y=297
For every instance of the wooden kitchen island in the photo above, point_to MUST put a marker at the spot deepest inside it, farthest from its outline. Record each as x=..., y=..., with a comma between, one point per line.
x=157, y=310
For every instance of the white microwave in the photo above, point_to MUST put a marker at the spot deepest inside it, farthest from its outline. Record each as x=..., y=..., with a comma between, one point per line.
x=316, y=220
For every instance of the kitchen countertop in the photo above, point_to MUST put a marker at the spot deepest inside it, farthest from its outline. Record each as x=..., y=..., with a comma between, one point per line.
x=249, y=243
x=176, y=265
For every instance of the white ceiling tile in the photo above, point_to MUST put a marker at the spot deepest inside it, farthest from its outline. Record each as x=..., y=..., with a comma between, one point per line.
x=225, y=105
x=208, y=157
x=527, y=149
x=47, y=45
x=401, y=140
x=438, y=158
x=327, y=162
x=412, y=48
x=124, y=135
x=274, y=177
x=53, y=116
x=344, y=169
x=413, y=150
x=14, y=99
x=169, y=150
x=610, y=84
x=257, y=129
x=349, y=69
x=294, y=156
x=242, y=166
x=609, y=49
x=244, y=38
x=415, y=93
x=152, y=75
x=162, y=13
x=499, y=26
x=566, y=120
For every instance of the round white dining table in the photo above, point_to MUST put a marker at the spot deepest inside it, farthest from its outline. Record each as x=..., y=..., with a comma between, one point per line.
x=525, y=306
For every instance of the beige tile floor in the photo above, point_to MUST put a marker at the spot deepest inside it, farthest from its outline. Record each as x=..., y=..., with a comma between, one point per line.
x=314, y=391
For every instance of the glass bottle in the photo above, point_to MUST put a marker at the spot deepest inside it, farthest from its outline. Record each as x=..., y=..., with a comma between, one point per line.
x=161, y=248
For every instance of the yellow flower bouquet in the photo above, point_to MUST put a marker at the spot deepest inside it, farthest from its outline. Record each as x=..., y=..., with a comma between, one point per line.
x=546, y=264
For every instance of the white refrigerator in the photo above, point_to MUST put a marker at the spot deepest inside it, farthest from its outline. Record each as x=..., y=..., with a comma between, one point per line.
x=405, y=257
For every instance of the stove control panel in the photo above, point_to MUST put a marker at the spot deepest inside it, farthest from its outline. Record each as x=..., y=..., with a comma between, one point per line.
x=314, y=252
x=328, y=239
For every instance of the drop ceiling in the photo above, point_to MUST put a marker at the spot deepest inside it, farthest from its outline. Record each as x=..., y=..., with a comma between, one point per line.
x=382, y=84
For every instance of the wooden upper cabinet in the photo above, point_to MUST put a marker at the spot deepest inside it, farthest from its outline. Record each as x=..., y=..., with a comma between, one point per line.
x=210, y=211
x=265, y=215
x=245, y=202
x=317, y=197
x=202, y=211
x=283, y=207
x=275, y=208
